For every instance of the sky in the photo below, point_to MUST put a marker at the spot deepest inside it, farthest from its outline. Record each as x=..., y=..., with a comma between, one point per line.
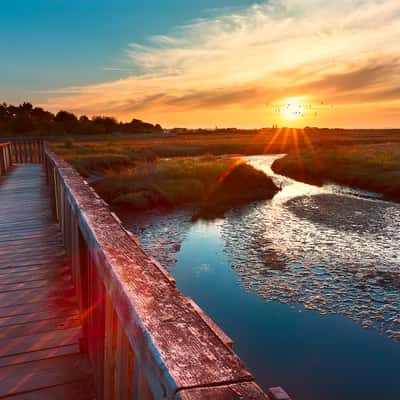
x=192, y=63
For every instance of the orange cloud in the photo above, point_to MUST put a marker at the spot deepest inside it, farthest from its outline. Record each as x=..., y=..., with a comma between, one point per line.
x=226, y=69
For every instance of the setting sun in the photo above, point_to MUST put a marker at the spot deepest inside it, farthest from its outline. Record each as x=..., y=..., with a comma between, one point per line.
x=292, y=109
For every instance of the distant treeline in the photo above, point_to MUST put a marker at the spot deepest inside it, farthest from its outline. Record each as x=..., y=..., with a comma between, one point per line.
x=26, y=119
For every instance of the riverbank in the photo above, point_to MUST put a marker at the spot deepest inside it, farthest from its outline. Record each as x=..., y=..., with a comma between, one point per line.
x=312, y=275
x=210, y=185
x=375, y=168
x=364, y=159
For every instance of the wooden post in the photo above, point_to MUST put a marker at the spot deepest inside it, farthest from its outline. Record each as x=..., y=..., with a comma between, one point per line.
x=3, y=167
x=110, y=344
x=277, y=393
x=5, y=158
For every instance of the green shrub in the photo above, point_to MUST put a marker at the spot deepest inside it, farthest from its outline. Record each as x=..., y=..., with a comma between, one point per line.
x=69, y=143
x=179, y=192
x=99, y=164
x=163, y=183
x=145, y=155
x=240, y=185
x=138, y=200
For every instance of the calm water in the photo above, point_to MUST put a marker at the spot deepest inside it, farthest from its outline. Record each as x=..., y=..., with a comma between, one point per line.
x=306, y=284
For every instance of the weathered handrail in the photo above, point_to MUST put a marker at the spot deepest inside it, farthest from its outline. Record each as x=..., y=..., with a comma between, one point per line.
x=20, y=151
x=144, y=338
x=5, y=157
x=27, y=151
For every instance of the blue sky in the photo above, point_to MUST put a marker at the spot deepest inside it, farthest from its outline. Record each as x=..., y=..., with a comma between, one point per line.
x=58, y=43
x=206, y=62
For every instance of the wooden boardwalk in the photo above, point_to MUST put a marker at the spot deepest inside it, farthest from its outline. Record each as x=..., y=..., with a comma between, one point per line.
x=67, y=266
x=40, y=327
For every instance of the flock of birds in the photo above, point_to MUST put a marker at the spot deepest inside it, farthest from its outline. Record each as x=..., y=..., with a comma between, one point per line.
x=298, y=110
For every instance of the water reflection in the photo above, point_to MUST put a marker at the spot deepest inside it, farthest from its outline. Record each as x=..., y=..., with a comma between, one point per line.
x=286, y=277
x=332, y=252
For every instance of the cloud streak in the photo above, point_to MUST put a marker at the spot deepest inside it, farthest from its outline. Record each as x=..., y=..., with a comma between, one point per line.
x=236, y=63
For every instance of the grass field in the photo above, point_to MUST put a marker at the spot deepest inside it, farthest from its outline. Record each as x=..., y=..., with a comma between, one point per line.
x=162, y=183
x=133, y=170
x=372, y=167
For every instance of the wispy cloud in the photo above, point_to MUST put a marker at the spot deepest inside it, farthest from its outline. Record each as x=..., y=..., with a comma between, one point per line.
x=345, y=50
x=118, y=69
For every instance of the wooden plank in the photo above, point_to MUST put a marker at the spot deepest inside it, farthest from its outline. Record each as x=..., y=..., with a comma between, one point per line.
x=225, y=339
x=109, y=349
x=38, y=274
x=29, y=245
x=125, y=377
x=38, y=316
x=95, y=327
x=35, y=295
x=36, y=375
x=118, y=389
x=24, y=257
x=24, y=261
x=6, y=265
x=39, y=355
x=278, y=393
x=27, y=276
x=144, y=391
x=81, y=390
x=29, y=269
x=34, y=240
x=47, y=325
x=40, y=325
x=234, y=391
x=37, y=238
x=34, y=284
x=30, y=308
x=39, y=341
x=131, y=372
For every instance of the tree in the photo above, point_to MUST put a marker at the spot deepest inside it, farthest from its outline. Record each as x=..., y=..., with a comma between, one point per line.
x=25, y=119
x=106, y=124
x=22, y=123
x=67, y=121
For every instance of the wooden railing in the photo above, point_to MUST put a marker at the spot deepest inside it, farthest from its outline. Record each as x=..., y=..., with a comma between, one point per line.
x=5, y=157
x=20, y=151
x=27, y=151
x=145, y=339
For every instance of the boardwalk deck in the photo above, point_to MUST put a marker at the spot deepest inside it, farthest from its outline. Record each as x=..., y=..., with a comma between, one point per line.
x=40, y=326
x=143, y=338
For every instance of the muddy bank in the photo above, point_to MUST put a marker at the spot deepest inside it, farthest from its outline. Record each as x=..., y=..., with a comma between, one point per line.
x=211, y=185
x=240, y=185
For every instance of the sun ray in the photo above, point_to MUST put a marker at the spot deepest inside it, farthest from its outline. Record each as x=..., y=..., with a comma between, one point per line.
x=308, y=142
x=295, y=139
x=237, y=162
x=272, y=141
x=285, y=139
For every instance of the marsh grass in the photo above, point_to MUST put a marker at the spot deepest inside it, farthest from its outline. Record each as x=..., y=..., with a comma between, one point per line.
x=89, y=165
x=239, y=185
x=369, y=167
x=162, y=183
x=133, y=171
x=191, y=145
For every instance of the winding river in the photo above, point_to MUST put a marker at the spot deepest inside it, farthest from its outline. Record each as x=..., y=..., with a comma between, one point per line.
x=306, y=284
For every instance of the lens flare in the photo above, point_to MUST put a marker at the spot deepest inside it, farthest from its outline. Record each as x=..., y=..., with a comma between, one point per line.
x=292, y=109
